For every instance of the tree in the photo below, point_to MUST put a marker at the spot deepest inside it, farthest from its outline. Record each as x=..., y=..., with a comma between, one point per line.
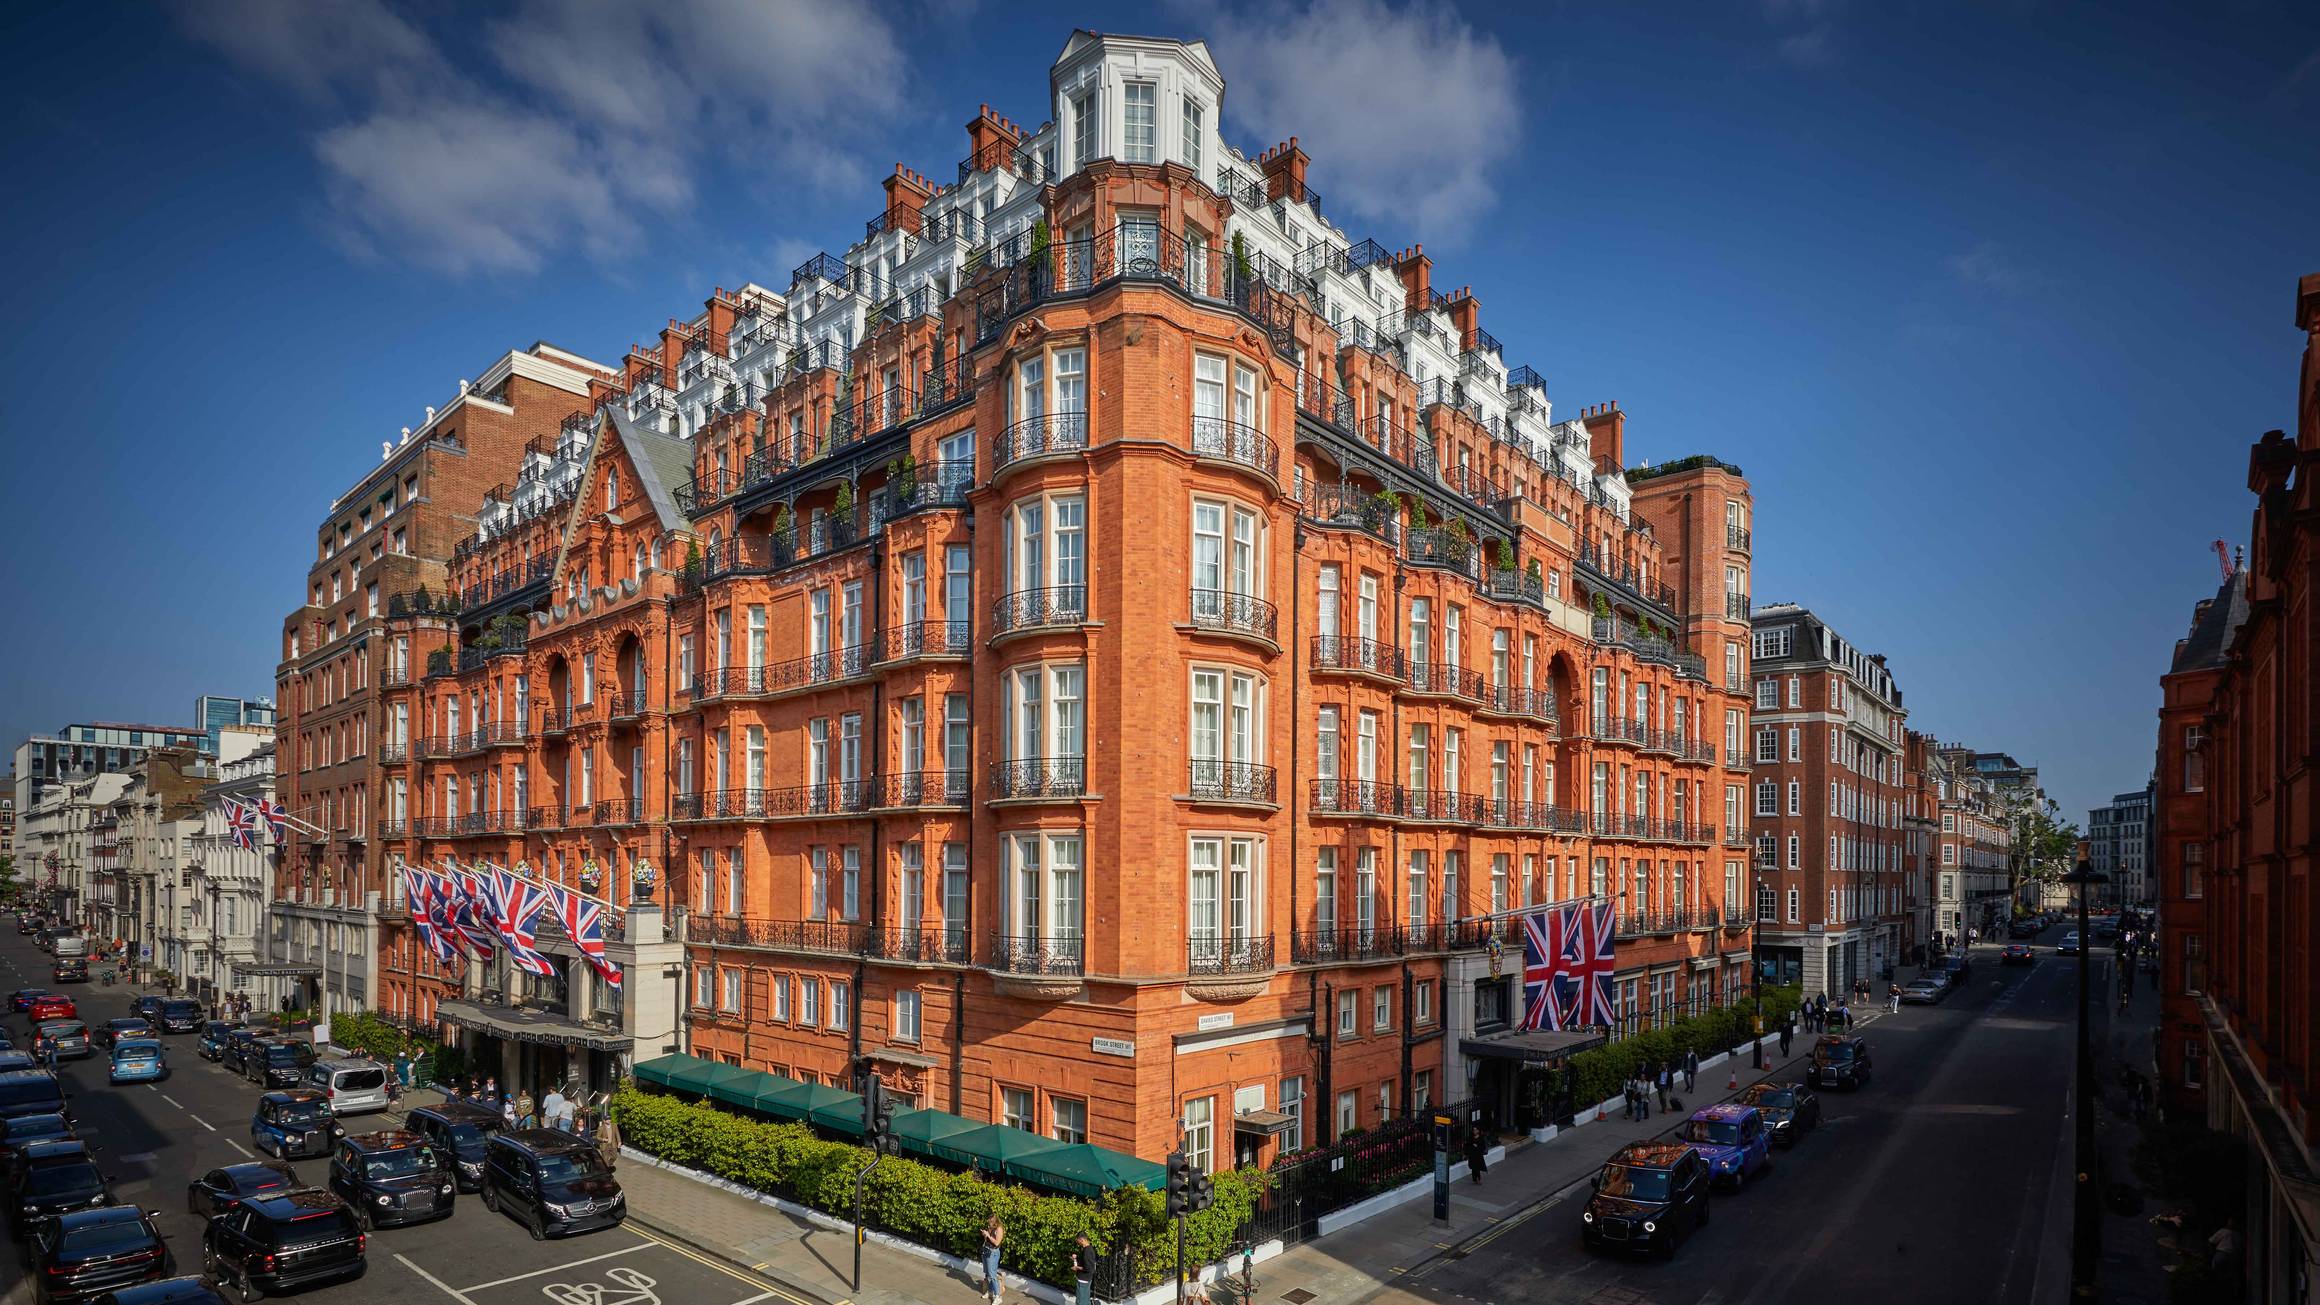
x=2044, y=846
x=7, y=876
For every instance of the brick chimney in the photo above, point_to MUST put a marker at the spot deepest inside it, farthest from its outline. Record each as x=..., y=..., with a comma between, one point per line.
x=906, y=194
x=1606, y=435
x=1417, y=273
x=1284, y=169
x=721, y=316
x=988, y=136
x=672, y=350
x=1466, y=315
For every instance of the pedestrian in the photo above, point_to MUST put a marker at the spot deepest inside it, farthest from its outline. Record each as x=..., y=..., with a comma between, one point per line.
x=1477, y=1161
x=491, y=1090
x=552, y=1108
x=403, y=1067
x=507, y=1114
x=526, y=1113
x=1787, y=1030
x=1661, y=1084
x=1083, y=1268
x=994, y=1233
x=607, y=1135
x=1892, y=998
x=1643, y=1097
x=1691, y=1070
x=1630, y=1090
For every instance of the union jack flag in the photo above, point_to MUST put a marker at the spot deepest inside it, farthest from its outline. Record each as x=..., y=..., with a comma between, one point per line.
x=276, y=817
x=1541, y=946
x=519, y=904
x=443, y=912
x=1583, y=965
x=584, y=921
x=469, y=912
x=241, y=822
x=420, y=887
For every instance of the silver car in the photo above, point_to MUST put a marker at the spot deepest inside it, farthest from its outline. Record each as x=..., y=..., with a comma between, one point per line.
x=352, y=1086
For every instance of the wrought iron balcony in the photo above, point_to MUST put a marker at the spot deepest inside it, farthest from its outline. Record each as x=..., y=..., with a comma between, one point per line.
x=544, y=817
x=1353, y=797
x=1616, y=729
x=1219, y=609
x=928, y=788
x=1441, y=804
x=1032, y=954
x=1214, y=954
x=1515, y=700
x=929, y=639
x=1513, y=586
x=1339, y=507
x=1231, y=441
x=1045, y=777
x=925, y=944
x=1736, y=607
x=826, y=937
x=1443, y=678
x=1736, y=537
x=809, y=671
x=1338, y=652
x=394, y=752
x=552, y=723
x=1324, y=946
x=392, y=829
x=627, y=706
x=1054, y=432
x=837, y=797
x=928, y=485
x=503, y=733
x=620, y=811
x=1544, y=817
x=1231, y=781
x=1053, y=607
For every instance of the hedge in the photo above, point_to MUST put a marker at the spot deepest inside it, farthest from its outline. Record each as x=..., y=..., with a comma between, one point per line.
x=929, y=1204
x=1599, y=1074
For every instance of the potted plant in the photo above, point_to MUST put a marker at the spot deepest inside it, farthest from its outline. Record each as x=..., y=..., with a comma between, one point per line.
x=1041, y=240
x=844, y=505
x=1506, y=557
x=1602, y=608
x=1240, y=260
x=909, y=476
x=591, y=874
x=1535, y=573
x=784, y=527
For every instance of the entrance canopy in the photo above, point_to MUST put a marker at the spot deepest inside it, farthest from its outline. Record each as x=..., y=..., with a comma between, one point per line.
x=1533, y=1046
x=277, y=970
x=542, y=1028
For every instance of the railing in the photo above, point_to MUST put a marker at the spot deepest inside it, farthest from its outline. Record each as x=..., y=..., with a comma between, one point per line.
x=1219, y=609
x=1231, y=781
x=1617, y=729
x=1001, y=156
x=1031, y=954
x=1598, y=556
x=1736, y=607
x=1440, y=546
x=827, y=798
x=1338, y=652
x=1032, y=274
x=1430, y=676
x=1054, y=432
x=1040, y=609
x=1221, y=955
x=553, y=722
x=1044, y=777
x=625, y=706
x=1656, y=740
x=1343, y=508
x=1515, y=700
x=938, y=483
x=927, y=639
x=544, y=817
x=1229, y=440
x=927, y=788
x=390, y=828
x=451, y=745
x=620, y=811
x=1353, y=797
x=782, y=677
x=1322, y=946
x=1511, y=586
x=925, y=944
x=1737, y=537
x=1704, y=753
x=1523, y=813
x=829, y=937
x=394, y=752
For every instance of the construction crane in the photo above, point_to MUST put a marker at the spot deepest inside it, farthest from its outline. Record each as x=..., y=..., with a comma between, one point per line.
x=2223, y=558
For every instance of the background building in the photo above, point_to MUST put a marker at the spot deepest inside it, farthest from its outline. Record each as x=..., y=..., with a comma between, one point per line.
x=79, y=752
x=214, y=714
x=2119, y=836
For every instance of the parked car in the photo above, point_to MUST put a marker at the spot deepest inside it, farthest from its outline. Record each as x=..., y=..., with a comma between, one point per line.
x=178, y=1015
x=23, y=1131
x=2017, y=954
x=1924, y=991
x=277, y=1062
x=393, y=1177
x=30, y=1092
x=146, y=1006
x=52, y=1006
x=222, y=1189
x=461, y=1131
x=128, y=1026
x=283, y=1240
x=552, y=1182
x=138, y=1060
x=70, y=1037
x=1731, y=1138
x=52, y=1178
x=1957, y=969
x=1839, y=1060
x=292, y=1124
x=87, y=1252
x=352, y=1086
x=2024, y=928
x=239, y=1048
x=214, y=1036
x=1790, y=1110
x=1648, y=1197
x=70, y=970
x=2069, y=946
x=164, y=1291
x=12, y=1060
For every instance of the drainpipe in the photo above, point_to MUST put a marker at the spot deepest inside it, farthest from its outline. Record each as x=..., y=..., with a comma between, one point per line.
x=958, y=1036
x=1409, y=1041
x=1324, y=1132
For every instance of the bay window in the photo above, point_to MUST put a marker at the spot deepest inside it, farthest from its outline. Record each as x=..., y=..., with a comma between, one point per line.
x=1042, y=902
x=1224, y=892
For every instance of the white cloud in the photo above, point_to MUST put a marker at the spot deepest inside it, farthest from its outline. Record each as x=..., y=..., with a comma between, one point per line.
x=597, y=119
x=1989, y=266
x=1408, y=112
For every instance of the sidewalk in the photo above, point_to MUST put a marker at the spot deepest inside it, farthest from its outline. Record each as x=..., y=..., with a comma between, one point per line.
x=2134, y=1265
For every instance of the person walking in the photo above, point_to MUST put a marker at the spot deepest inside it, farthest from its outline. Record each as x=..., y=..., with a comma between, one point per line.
x=1083, y=1269
x=1661, y=1085
x=553, y=1107
x=1691, y=1070
x=994, y=1234
x=1477, y=1159
x=527, y=1113
x=1892, y=998
x=403, y=1067
x=1787, y=1030
x=607, y=1138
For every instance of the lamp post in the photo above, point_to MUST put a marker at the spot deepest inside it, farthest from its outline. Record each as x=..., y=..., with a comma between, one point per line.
x=2085, y=1214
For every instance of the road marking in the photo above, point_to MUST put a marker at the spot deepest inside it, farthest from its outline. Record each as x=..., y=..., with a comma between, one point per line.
x=558, y=1268
x=203, y=1122
x=446, y=1288
x=726, y=1269
x=166, y=1097
x=239, y=1147
x=640, y=1287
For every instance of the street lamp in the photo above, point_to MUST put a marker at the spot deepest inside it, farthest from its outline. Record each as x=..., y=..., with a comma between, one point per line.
x=2085, y=1215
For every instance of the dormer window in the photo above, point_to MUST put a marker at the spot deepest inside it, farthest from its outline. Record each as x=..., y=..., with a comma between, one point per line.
x=1195, y=125
x=1143, y=122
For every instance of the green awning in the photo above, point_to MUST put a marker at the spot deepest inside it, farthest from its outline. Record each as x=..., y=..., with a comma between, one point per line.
x=917, y=1130
x=1085, y=1170
x=688, y=1074
x=991, y=1147
x=745, y=1088
x=767, y=1090
x=799, y=1101
x=838, y=1111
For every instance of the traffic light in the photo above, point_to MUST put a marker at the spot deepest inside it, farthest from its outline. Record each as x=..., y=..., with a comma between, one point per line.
x=1201, y=1195
x=1179, y=1189
x=877, y=1115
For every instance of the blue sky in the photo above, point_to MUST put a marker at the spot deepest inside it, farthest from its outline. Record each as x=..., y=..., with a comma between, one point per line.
x=1988, y=302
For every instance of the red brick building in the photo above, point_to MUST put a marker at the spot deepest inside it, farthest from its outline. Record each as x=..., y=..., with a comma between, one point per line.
x=2239, y=780
x=1100, y=650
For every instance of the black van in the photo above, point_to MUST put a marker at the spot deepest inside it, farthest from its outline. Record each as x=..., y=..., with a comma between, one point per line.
x=1649, y=1197
x=178, y=1015
x=553, y=1182
x=273, y=1063
x=285, y=1240
x=461, y=1131
x=393, y=1177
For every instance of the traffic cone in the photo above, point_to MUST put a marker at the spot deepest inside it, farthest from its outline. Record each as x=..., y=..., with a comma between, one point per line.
x=1599, y=1115
x=1732, y=1084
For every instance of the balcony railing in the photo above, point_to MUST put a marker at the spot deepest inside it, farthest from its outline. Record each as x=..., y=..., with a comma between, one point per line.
x=620, y=811
x=1219, y=609
x=392, y=829
x=544, y=817
x=1231, y=781
x=394, y=752
x=1054, y=432
x=1219, y=955
x=1353, y=797
x=805, y=672
x=1040, y=609
x=1442, y=677
x=1046, y=777
x=553, y=722
x=1617, y=729
x=1323, y=946
x=928, y=639
x=929, y=485
x=1515, y=700
x=928, y=788
x=835, y=797
x=1543, y=817
x=1736, y=537
x=1513, y=586
x=503, y=733
x=1031, y=954
x=829, y=937
x=1339, y=652
x=926, y=944
x=1231, y=441
x=627, y=706
x=1736, y=607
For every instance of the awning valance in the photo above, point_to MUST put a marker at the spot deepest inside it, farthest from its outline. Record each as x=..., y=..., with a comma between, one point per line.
x=1533, y=1046
x=538, y=1027
x=1263, y=1123
x=277, y=970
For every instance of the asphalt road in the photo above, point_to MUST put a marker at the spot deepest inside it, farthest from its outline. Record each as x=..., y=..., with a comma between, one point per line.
x=155, y=1139
x=1945, y=1180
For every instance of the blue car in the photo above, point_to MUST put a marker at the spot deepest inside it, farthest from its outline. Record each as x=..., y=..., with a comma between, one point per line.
x=294, y=1124
x=139, y=1060
x=1732, y=1139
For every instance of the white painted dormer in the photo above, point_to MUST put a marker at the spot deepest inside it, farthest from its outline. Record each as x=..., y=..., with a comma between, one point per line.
x=1136, y=99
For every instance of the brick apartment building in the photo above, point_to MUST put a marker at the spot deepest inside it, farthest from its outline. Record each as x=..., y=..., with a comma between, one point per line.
x=1095, y=649
x=2238, y=780
x=1975, y=868
x=381, y=546
x=1826, y=742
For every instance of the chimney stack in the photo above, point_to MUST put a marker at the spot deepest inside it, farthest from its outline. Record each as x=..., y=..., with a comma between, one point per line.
x=1284, y=170
x=1606, y=435
x=1417, y=273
